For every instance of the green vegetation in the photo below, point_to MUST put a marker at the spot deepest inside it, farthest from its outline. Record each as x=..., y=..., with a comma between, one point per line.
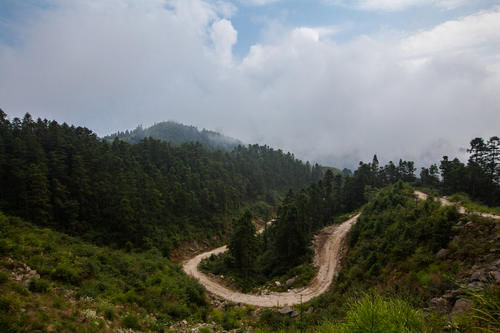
x=286, y=244
x=141, y=200
x=464, y=200
x=39, y=285
x=77, y=276
x=146, y=195
x=372, y=313
x=480, y=178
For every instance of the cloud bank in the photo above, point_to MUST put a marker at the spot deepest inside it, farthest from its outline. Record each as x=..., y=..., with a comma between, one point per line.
x=116, y=64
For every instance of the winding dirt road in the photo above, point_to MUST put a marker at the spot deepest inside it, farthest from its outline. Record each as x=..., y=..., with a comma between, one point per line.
x=327, y=244
x=461, y=209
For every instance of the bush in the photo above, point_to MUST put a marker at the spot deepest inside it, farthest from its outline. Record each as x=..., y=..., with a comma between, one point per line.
x=9, y=304
x=39, y=285
x=131, y=321
x=64, y=272
x=19, y=288
x=372, y=313
x=3, y=277
x=6, y=246
x=229, y=320
x=205, y=330
x=109, y=313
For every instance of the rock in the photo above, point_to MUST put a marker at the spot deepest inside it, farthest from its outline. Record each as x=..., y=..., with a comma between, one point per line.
x=291, y=281
x=184, y=322
x=451, y=295
x=496, y=276
x=475, y=285
x=439, y=304
x=469, y=224
x=277, y=283
x=443, y=253
x=294, y=314
x=461, y=306
x=285, y=310
x=496, y=263
x=479, y=275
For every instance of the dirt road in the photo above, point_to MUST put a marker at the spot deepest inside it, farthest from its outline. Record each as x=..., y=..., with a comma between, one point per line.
x=461, y=210
x=327, y=246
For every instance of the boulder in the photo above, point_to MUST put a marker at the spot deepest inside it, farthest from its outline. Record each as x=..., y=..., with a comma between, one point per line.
x=479, y=275
x=451, y=295
x=443, y=253
x=495, y=275
x=277, y=283
x=286, y=310
x=291, y=281
x=294, y=314
x=476, y=285
x=461, y=306
x=439, y=304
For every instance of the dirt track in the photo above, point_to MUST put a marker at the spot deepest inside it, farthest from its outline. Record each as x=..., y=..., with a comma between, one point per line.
x=461, y=210
x=327, y=246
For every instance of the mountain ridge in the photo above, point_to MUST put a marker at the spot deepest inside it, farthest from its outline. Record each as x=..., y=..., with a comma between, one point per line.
x=177, y=133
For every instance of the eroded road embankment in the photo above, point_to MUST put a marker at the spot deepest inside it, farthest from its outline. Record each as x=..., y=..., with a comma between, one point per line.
x=327, y=246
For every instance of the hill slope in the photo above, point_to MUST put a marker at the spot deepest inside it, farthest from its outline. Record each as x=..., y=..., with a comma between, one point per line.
x=178, y=134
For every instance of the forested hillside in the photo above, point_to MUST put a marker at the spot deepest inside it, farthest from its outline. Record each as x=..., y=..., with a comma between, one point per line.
x=140, y=195
x=287, y=242
x=178, y=134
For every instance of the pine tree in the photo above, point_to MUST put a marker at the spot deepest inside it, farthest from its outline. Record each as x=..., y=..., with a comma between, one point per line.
x=243, y=245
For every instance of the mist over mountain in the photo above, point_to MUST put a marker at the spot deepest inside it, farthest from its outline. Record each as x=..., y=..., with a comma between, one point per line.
x=177, y=134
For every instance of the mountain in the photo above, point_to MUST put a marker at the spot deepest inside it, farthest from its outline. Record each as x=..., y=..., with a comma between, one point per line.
x=178, y=134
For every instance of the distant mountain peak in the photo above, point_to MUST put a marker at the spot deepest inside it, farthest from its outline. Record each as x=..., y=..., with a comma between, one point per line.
x=177, y=134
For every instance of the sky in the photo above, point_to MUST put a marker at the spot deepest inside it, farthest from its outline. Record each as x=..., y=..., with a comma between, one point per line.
x=332, y=81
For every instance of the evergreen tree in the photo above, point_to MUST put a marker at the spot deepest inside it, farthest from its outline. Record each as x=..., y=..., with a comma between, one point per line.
x=243, y=245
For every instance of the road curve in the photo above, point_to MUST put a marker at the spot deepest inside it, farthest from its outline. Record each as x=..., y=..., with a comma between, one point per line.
x=461, y=210
x=327, y=244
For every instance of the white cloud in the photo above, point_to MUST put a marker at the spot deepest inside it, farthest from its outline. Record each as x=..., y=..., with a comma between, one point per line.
x=396, y=5
x=224, y=37
x=116, y=64
x=474, y=33
x=258, y=2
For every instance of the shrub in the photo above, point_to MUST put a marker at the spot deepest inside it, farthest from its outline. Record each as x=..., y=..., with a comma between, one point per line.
x=3, y=277
x=109, y=313
x=229, y=320
x=372, y=313
x=6, y=246
x=9, y=304
x=205, y=330
x=131, y=321
x=39, y=285
x=64, y=272
x=19, y=288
